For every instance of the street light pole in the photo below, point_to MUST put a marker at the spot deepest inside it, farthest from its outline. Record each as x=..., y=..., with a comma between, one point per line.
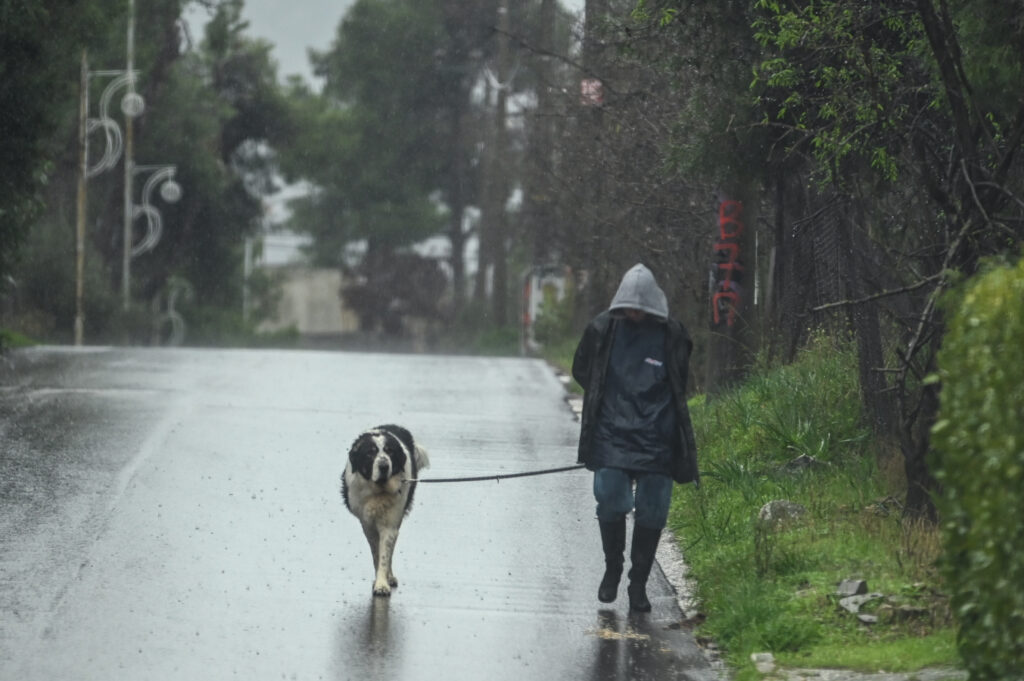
x=129, y=170
x=83, y=169
x=113, y=145
x=132, y=105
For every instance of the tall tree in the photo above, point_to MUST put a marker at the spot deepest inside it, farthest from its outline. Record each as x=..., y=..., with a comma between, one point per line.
x=221, y=114
x=40, y=50
x=375, y=147
x=386, y=145
x=381, y=83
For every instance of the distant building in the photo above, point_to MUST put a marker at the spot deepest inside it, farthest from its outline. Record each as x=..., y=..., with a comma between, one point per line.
x=310, y=300
x=310, y=303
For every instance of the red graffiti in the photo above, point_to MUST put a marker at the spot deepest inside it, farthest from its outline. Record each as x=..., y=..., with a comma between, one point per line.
x=728, y=268
x=725, y=301
x=729, y=213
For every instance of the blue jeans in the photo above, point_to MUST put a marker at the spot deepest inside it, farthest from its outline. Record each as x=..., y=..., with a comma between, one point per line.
x=613, y=490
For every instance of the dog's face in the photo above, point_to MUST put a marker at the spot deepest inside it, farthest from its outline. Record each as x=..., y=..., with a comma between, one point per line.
x=377, y=455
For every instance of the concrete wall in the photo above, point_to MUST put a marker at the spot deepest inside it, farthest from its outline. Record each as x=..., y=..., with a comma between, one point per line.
x=311, y=302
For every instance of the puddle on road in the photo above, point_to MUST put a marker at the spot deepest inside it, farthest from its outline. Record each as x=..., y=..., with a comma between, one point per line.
x=612, y=635
x=636, y=639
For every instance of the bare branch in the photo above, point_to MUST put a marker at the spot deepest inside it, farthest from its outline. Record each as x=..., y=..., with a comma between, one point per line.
x=970, y=184
x=998, y=187
x=881, y=294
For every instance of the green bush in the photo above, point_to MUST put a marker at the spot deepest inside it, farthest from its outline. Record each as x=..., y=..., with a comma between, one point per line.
x=978, y=443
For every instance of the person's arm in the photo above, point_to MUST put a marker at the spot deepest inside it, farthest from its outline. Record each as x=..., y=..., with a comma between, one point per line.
x=682, y=346
x=685, y=464
x=583, y=359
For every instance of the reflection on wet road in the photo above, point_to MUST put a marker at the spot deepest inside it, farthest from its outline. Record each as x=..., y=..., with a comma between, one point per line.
x=175, y=515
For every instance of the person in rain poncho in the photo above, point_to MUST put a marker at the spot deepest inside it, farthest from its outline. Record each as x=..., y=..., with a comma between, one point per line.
x=635, y=431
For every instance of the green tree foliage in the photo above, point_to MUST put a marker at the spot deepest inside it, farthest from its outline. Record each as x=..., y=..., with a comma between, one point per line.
x=217, y=115
x=387, y=147
x=918, y=92
x=373, y=143
x=40, y=49
x=843, y=78
x=403, y=142
x=979, y=458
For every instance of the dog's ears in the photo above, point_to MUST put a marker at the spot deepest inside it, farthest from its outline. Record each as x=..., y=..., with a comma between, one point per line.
x=402, y=435
x=362, y=453
x=363, y=445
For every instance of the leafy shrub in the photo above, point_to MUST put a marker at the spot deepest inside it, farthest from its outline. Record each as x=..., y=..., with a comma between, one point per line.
x=979, y=459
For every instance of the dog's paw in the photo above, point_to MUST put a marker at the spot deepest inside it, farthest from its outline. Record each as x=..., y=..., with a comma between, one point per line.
x=393, y=581
x=381, y=589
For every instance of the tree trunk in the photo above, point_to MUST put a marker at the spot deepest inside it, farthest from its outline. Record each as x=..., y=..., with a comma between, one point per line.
x=731, y=293
x=916, y=443
x=485, y=231
x=539, y=200
x=863, y=320
x=457, y=205
x=590, y=141
x=499, y=299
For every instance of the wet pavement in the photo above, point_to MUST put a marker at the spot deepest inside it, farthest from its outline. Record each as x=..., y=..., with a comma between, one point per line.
x=174, y=514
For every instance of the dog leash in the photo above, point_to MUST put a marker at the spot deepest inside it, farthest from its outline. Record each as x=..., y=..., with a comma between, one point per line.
x=503, y=476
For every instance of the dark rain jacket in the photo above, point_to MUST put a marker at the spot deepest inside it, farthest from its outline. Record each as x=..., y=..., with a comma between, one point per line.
x=590, y=365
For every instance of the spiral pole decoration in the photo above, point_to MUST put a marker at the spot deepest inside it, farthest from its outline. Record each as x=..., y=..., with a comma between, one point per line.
x=170, y=192
x=175, y=289
x=132, y=105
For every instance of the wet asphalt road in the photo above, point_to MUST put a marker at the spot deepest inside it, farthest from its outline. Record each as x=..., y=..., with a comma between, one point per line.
x=174, y=514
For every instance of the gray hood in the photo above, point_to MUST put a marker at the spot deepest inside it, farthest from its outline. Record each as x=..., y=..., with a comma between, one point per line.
x=640, y=291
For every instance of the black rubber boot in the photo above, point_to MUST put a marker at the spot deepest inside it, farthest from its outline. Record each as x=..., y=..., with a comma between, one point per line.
x=613, y=540
x=641, y=555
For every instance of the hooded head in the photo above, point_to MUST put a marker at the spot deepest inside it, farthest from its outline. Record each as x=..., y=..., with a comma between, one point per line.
x=639, y=291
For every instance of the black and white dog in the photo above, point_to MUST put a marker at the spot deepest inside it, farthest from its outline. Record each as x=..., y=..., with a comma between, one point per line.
x=378, y=486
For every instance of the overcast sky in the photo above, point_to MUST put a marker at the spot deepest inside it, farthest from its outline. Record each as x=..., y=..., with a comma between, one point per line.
x=294, y=26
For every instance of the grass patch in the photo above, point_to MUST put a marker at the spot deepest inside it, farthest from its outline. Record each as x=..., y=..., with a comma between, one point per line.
x=905, y=654
x=13, y=339
x=771, y=587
